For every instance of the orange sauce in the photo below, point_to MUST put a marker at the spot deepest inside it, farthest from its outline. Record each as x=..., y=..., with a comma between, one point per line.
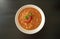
x=33, y=21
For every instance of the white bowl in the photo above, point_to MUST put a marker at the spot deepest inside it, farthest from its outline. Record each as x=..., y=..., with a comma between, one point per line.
x=30, y=31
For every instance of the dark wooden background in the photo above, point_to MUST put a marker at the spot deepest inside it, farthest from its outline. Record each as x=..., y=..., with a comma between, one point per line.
x=8, y=29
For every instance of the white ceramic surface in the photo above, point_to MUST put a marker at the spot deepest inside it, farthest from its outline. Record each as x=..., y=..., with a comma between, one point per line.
x=30, y=31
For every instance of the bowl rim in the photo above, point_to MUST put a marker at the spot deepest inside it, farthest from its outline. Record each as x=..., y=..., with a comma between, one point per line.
x=34, y=30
